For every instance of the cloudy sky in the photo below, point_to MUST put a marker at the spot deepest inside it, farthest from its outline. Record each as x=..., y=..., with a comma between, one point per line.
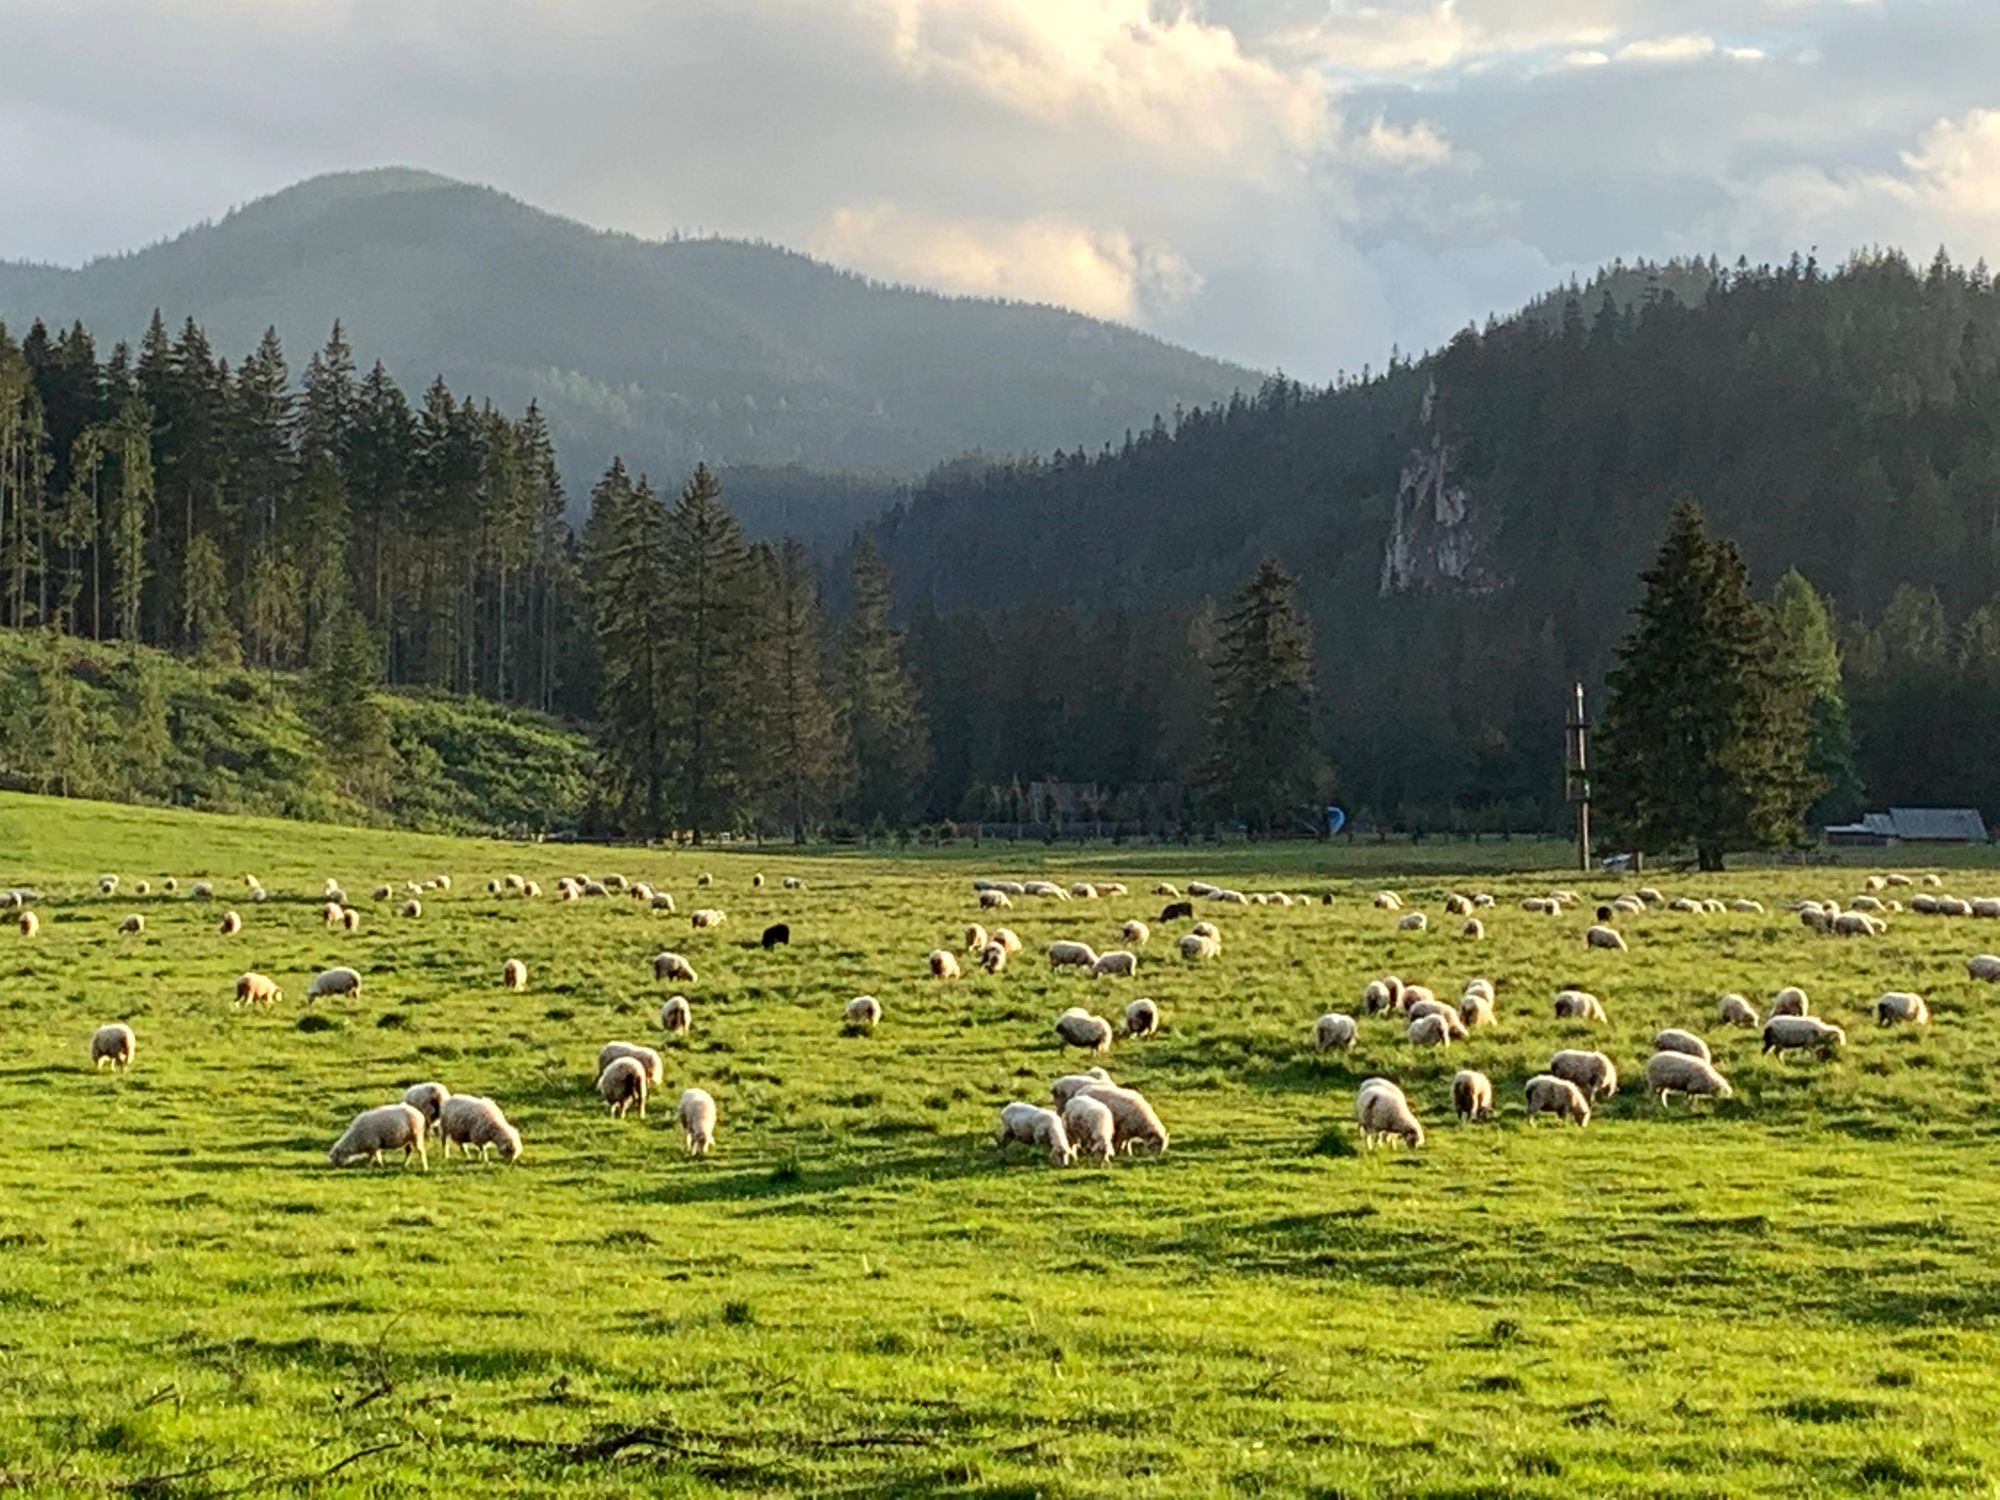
x=1294, y=183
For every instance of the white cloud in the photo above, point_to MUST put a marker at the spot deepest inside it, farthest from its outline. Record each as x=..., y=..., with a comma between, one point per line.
x=1403, y=147
x=1667, y=49
x=1589, y=58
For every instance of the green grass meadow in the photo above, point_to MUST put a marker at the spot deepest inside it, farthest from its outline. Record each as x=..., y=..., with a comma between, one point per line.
x=1794, y=1293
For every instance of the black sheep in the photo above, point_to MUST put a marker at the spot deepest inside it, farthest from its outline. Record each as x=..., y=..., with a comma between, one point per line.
x=776, y=934
x=1175, y=910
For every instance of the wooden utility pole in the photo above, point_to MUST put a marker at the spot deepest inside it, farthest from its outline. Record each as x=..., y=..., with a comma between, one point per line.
x=1576, y=773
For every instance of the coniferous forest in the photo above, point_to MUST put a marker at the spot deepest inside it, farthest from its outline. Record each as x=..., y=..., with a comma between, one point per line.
x=1384, y=586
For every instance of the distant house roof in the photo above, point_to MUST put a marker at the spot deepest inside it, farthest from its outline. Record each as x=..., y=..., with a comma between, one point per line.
x=1943, y=825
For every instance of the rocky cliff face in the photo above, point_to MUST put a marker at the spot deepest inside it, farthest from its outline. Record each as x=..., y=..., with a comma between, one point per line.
x=1438, y=536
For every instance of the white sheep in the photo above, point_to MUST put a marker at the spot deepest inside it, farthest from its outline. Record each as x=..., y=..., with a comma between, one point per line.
x=1120, y=962
x=994, y=901
x=1200, y=888
x=1412, y=996
x=1112, y=888
x=1680, y=1073
x=31, y=925
x=1382, y=994
x=1983, y=966
x=1474, y=930
x=1071, y=1084
x=202, y=890
x=1454, y=1023
x=428, y=1100
x=993, y=957
x=1578, y=1005
x=677, y=1015
x=331, y=913
x=257, y=989
x=623, y=1084
x=1091, y=1127
x=1384, y=901
x=1456, y=905
x=1431, y=1030
x=113, y=1046
x=531, y=890
x=350, y=919
x=1592, y=1072
x=1135, y=932
x=794, y=882
x=1382, y=1112
x=339, y=981
x=1784, y=1034
x=1335, y=1032
x=863, y=1013
x=1036, y=1126
x=1134, y=1121
x=1673, y=1039
x=1196, y=948
x=943, y=964
x=1044, y=888
x=975, y=938
x=1208, y=930
x=1475, y=1008
x=1471, y=1094
x=386, y=1127
x=1079, y=1028
x=1083, y=890
x=1416, y=921
x=1600, y=936
x=650, y=1062
x=1901, y=1005
x=470, y=1120
x=1734, y=1010
x=663, y=901
x=696, y=1112
x=673, y=966
x=231, y=924
x=1790, y=1001
x=1069, y=955
x=1142, y=1019
x=1005, y=937
x=1166, y=888
x=107, y=885
x=131, y=926
x=1548, y=1095
x=514, y=975
x=707, y=916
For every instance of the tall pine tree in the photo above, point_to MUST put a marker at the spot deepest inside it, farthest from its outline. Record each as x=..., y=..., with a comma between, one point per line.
x=890, y=738
x=626, y=563
x=810, y=764
x=1265, y=763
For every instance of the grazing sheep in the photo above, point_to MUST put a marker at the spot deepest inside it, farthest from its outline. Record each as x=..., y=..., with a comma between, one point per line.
x=1473, y=931
x=1176, y=911
x=1195, y=947
x=1456, y=905
x=1471, y=1094
x=1429, y=1030
x=427, y=1099
x=1111, y=888
x=663, y=901
x=993, y=957
x=1231, y=898
x=142, y=888
x=863, y=1013
x=230, y=925
x=706, y=916
x=1416, y=921
x=623, y=1084
x=1592, y=1072
x=1734, y=1010
x=777, y=935
x=1142, y=1019
x=1388, y=901
x=470, y=1120
x=696, y=1113
x=994, y=901
x=1382, y=1112
x=258, y=897
x=1475, y=1008
x=1673, y=1039
x=1166, y=888
x=1134, y=1121
x=1858, y=924
x=532, y=891
x=1983, y=966
x=1044, y=888
x=1784, y=1033
x=1091, y=1127
x=677, y=1015
x=976, y=938
x=1083, y=890
x=1079, y=1028
x=1684, y=903
x=1004, y=936
x=341, y=981
x=1874, y=903
x=1208, y=930
x=1600, y=936
x=1901, y=1005
x=202, y=890
x=514, y=975
x=1200, y=888
x=1070, y=1085
x=943, y=964
x=257, y=989
x=1068, y=955
x=1035, y=1126
x=793, y=882
x=1651, y=897
x=31, y=924
x=383, y=1128
x=131, y=926
x=596, y=888
x=653, y=1065
x=107, y=885
x=1627, y=906
x=350, y=919
x=1671, y=1072
x=1578, y=1005
x=1335, y=1032
x=1479, y=986
x=1135, y=932
x=1548, y=1095
x=1454, y=1023
x=1414, y=995
x=1790, y=1001
x=380, y=893
x=1119, y=962
x=1382, y=994
x=673, y=966
x=113, y=1046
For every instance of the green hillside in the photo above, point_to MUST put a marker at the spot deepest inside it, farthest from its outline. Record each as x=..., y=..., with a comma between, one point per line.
x=141, y=725
x=715, y=350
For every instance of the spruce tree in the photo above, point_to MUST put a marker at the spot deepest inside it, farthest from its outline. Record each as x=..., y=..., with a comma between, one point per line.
x=205, y=621
x=1704, y=733
x=1265, y=763
x=708, y=627
x=810, y=764
x=1807, y=626
x=626, y=564
x=886, y=726
x=347, y=667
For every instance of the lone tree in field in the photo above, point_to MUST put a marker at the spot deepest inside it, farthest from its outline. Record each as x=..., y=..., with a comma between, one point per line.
x=1264, y=761
x=891, y=739
x=1704, y=734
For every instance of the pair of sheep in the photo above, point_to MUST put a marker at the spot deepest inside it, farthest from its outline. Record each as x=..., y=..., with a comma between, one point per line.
x=626, y=1072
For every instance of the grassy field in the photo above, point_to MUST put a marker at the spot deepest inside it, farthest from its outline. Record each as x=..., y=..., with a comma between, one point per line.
x=1797, y=1293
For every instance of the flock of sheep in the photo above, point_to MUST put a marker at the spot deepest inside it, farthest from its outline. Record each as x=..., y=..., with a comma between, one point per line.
x=1089, y=1113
